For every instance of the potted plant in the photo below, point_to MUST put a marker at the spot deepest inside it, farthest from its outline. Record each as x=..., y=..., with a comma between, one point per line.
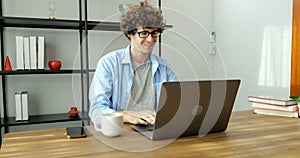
x=297, y=98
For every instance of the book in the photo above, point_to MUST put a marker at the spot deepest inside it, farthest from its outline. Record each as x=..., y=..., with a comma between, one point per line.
x=26, y=53
x=294, y=114
x=291, y=108
x=24, y=101
x=41, y=52
x=19, y=53
x=18, y=105
x=284, y=101
x=33, y=52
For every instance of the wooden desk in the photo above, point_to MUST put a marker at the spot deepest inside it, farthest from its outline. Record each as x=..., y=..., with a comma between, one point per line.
x=248, y=135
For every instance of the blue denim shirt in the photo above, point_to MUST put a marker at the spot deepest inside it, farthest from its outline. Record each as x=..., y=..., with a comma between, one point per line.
x=112, y=82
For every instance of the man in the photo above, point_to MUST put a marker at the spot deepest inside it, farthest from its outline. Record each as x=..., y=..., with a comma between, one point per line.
x=128, y=80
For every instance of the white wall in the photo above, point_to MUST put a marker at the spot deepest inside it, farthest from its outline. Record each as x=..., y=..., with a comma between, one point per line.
x=186, y=44
x=254, y=39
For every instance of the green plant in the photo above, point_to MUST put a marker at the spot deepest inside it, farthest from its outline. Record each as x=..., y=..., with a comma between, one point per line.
x=297, y=98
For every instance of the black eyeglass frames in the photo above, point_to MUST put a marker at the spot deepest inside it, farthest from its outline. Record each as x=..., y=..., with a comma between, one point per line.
x=145, y=34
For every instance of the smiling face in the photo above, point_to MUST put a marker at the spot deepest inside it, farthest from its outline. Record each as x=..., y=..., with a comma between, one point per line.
x=142, y=46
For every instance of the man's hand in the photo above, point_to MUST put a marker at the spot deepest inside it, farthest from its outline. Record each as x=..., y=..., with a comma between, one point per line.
x=139, y=117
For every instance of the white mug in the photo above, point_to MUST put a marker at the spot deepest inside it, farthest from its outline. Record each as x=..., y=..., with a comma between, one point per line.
x=111, y=124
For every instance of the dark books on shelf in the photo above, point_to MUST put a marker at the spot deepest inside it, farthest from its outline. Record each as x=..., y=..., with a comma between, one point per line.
x=268, y=105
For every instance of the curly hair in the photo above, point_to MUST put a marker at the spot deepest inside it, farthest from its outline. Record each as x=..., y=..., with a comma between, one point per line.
x=143, y=15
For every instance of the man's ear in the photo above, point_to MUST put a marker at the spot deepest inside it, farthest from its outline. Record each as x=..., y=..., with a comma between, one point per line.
x=128, y=36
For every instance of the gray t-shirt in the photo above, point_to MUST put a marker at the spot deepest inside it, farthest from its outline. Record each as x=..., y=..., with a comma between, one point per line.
x=142, y=91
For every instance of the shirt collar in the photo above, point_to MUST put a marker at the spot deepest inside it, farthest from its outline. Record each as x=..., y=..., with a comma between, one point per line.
x=126, y=58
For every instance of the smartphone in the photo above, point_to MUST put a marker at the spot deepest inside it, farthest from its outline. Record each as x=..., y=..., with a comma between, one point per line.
x=75, y=132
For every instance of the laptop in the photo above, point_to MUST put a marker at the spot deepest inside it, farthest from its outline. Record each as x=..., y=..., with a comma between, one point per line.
x=189, y=108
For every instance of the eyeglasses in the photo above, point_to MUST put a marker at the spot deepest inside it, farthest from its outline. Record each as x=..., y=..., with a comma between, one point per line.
x=145, y=34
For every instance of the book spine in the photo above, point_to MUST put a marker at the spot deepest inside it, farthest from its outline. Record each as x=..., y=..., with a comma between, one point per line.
x=293, y=108
x=276, y=113
x=26, y=53
x=33, y=52
x=269, y=101
x=25, y=115
x=19, y=53
x=18, y=105
x=41, y=52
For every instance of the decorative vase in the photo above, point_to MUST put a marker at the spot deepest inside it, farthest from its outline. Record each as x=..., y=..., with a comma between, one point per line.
x=7, y=65
x=73, y=112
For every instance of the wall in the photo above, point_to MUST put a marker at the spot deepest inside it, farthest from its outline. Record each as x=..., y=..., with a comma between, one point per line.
x=254, y=39
x=186, y=44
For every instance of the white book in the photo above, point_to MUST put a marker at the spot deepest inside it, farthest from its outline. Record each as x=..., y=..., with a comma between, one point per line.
x=276, y=113
x=291, y=108
x=26, y=53
x=19, y=53
x=18, y=105
x=33, y=52
x=41, y=52
x=284, y=101
x=24, y=96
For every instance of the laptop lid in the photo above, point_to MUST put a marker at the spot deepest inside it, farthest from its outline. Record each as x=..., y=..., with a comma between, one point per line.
x=189, y=108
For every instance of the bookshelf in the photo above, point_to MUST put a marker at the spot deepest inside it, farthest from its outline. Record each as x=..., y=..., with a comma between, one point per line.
x=40, y=23
x=38, y=119
x=82, y=25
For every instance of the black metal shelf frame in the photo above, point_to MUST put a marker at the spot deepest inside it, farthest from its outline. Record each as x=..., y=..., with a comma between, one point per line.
x=38, y=119
x=24, y=22
x=83, y=26
x=28, y=72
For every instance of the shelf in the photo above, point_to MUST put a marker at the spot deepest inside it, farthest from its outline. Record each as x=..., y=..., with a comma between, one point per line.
x=38, y=119
x=57, y=24
x=108, y=26
x=28, y=72
x=23, y=22
x=92, y=70
x=105, y=26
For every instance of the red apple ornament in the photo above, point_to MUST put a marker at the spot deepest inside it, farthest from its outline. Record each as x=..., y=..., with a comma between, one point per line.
x=54, y=64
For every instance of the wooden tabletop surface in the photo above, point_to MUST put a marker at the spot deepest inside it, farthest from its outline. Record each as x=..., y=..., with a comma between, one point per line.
x=248, y=135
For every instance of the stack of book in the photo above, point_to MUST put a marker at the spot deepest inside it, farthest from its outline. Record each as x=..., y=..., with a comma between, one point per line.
x=269, y=105
x=30, y=52
x=21, y=103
